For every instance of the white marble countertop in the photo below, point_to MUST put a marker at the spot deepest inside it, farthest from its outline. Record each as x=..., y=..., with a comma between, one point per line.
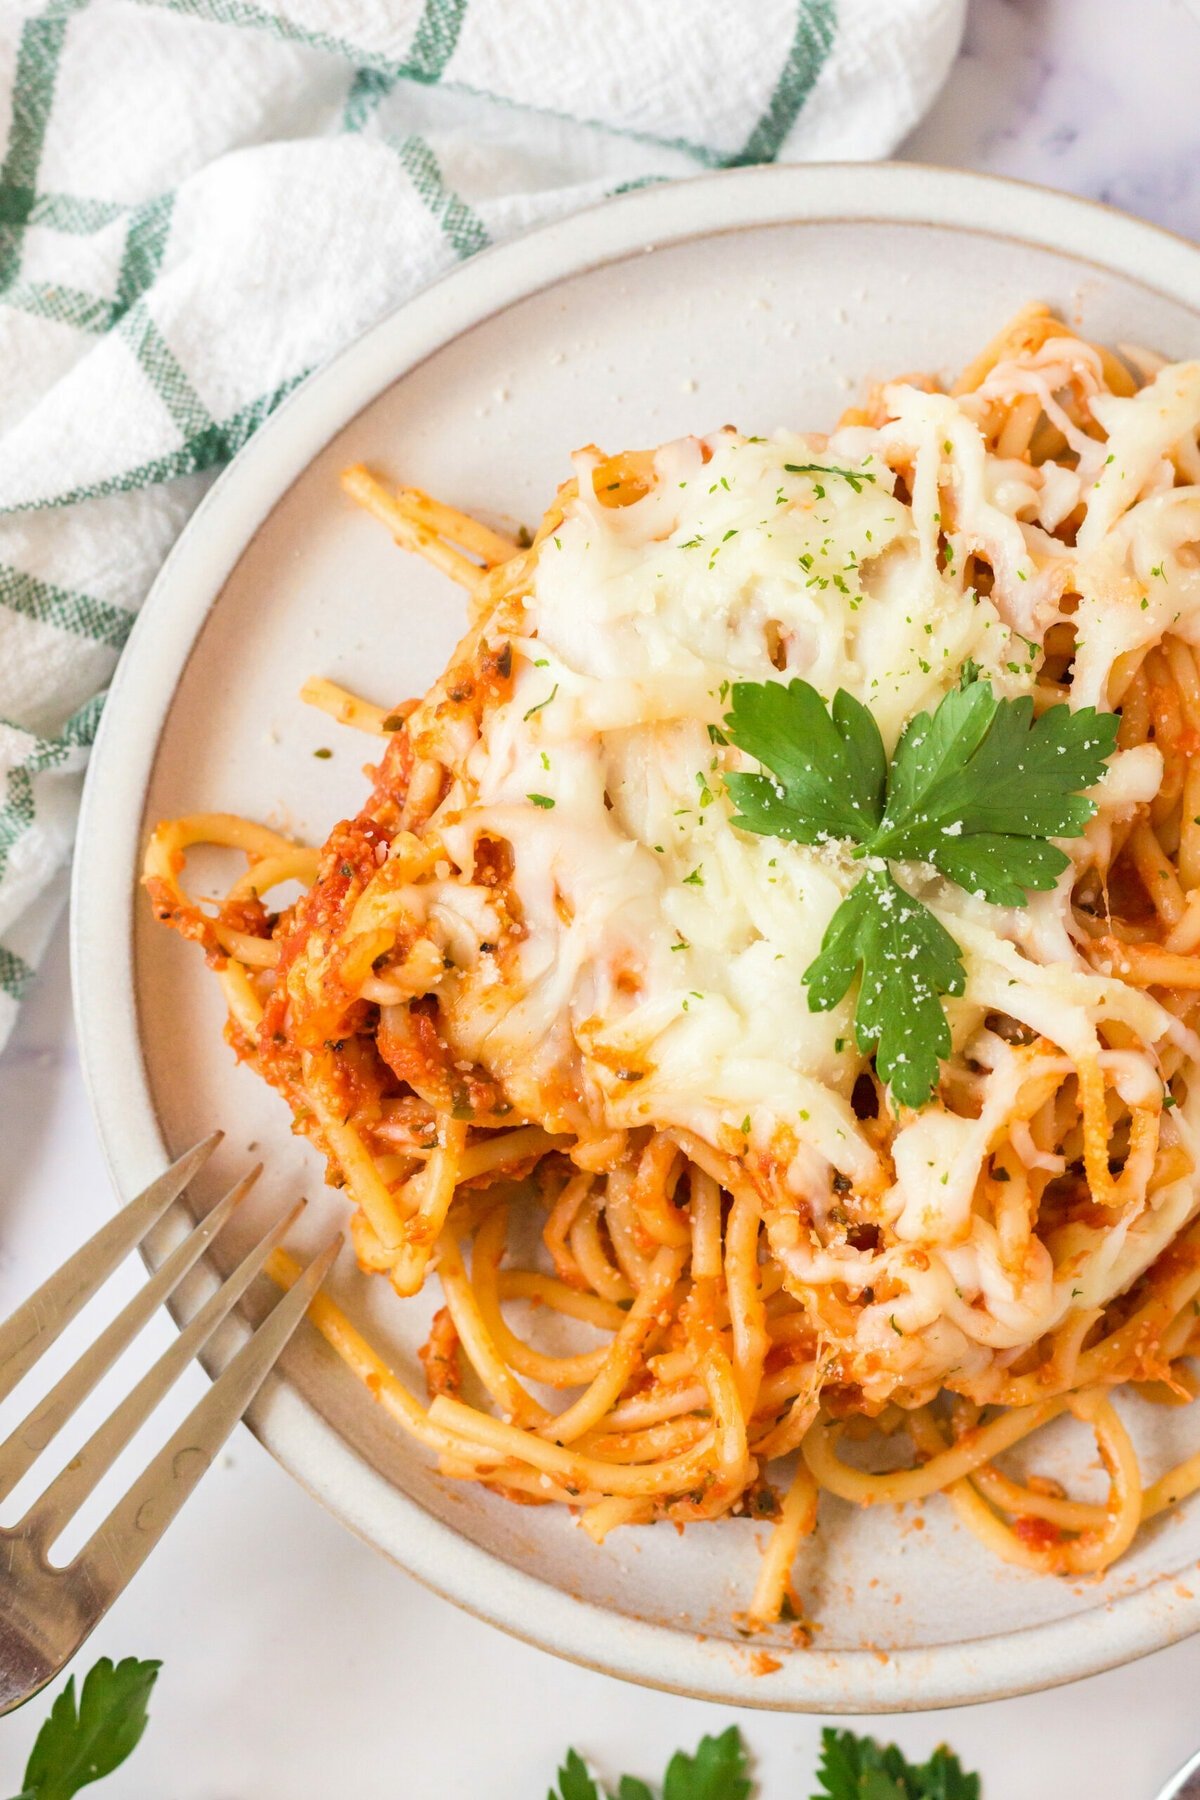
x=298, y=1665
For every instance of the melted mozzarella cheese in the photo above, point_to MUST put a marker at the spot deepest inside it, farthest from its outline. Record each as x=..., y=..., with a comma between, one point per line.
x=657, y=976
x=681, y=942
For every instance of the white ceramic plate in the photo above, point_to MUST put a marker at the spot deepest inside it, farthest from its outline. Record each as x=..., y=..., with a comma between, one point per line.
x=767, y=297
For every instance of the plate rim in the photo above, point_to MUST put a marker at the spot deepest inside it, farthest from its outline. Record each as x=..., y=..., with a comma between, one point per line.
x=103, y=900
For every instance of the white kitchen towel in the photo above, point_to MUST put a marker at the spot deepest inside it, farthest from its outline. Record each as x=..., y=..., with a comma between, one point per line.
x=201, y=200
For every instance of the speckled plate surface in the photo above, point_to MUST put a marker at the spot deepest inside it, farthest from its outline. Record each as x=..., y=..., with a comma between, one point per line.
x=765, y=297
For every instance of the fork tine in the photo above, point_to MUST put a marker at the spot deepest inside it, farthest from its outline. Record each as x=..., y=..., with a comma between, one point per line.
x=47, y=1517
x=40, y=1426
x=35, y=1325
x=117, y=1549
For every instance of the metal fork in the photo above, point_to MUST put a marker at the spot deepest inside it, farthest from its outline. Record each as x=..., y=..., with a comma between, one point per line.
x=47, y=1611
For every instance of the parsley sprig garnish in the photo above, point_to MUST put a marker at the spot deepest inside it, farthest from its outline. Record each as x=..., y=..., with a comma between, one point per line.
x=857, y=1768
x=716, y=1772
x=977, y=788
x=82, y=1741
x=852, y=1768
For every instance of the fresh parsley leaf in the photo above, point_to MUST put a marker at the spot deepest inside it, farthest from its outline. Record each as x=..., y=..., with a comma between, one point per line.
x=80, y=1744
x=977, y=788
x=852, y=1768
x=906, y=960
x=574, y=1782
x=828, y=772
x=857, y=1768
x=945, y=1778
x=716, y=1772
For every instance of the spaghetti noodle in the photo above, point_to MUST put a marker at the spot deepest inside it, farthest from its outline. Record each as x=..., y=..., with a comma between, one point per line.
x=541, y=974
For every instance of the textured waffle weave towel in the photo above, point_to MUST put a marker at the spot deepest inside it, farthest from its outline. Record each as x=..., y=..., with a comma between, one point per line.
x=201, y=200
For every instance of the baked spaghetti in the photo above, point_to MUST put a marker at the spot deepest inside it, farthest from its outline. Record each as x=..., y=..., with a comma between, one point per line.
x=547, y=973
